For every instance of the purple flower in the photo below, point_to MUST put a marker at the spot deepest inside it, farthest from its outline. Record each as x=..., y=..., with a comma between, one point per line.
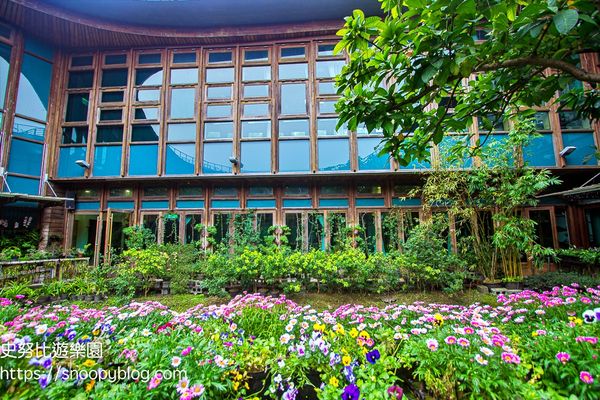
x=46, y=362
x=373, y=356
x=395, y=392
x=349, y=374
x=351, y=392
x=44, y=380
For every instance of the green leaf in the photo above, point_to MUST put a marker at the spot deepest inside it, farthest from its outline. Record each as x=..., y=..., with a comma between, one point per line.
x=428, y=73
x=565, y=20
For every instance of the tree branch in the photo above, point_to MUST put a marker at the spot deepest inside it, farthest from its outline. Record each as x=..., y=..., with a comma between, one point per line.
x=564, y=66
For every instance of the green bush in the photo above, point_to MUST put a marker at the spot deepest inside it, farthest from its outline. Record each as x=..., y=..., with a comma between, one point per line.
x=180, y=265
x=549, y=280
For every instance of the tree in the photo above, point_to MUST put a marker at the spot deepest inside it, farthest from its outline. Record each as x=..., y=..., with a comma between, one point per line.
x=499, y=186
x=424, y=57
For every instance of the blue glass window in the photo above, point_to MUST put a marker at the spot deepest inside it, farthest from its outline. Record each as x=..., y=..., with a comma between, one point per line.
x=216, y=158
x=256, y=110
x=4, y=67
x=181, y=158
x=219, y=75
x=326, y=127
x=66, y=161
x=256, y=55
x=153, y=58
x=293, y=71
x=584, y=142
x=293, y=99
x=446, y=147
x=334, y=155
x=28, y=129
x=41, y=49
x=294, y=155
x=182, y=103
x=77, y=107
x=115, y=59
x=253, y=91
x=145, y=133
x=540, y=151
x=329, y=69
x=142, y=159
x=262, y=73
x=325, y=50
x=327, y=88
x=181, y=133
x=293, y=128
x=218, y=130
x=148, y=113
x=220, y=57
x=368, y=155
x=115, y=96
x=109, y=133
x=256, y=156
x=115, y=77
x=184, y=58
x=218, y=92
x=293, y=52
x=149, y=77
x=184, y=75
x=218, y=111
x=23, y=185
x=25, y=157
x=147, y=95
x=34, y=87
x=107, y=161
x=80, y=79
x=256, y=129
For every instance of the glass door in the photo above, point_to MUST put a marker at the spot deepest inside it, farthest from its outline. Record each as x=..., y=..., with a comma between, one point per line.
x=116, y=221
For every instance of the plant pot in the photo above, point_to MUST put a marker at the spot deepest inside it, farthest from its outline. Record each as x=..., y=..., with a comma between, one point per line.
x=43, y=299
x=514, y=285
x=89, y=297
x=97, y=297
x=492, y=285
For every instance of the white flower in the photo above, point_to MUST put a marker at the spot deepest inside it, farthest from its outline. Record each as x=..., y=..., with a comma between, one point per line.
x=41, y=329
x=176, y=361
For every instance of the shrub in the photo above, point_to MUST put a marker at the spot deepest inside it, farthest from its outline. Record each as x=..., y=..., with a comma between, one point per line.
x=142, y=266
x=549, y=280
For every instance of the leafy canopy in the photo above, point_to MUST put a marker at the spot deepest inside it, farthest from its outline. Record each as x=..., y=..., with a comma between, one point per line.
x=425, y=53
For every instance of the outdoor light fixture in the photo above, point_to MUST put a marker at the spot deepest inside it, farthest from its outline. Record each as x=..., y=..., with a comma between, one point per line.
x=567, y=150
x=83, y=164
x=233, y=160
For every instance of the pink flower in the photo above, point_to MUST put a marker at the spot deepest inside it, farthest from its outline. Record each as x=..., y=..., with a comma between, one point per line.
x=155, y=381
x=186, y=351
x=510, y=358
x=589, y=339
x=481, y=360
x=563, y=357
x=586, y=377
x=464, y=342
x=197, y=390
x=450, y=340
x=432, y=344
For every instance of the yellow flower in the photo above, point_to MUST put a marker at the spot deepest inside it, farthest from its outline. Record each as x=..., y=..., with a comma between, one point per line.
x=319, y=327
x=439, y=319
x=339, y=329
x=333, y=381
x=534, y=334
x=89, y=386
x=353, y=333
x=89, y=363
x=346, y=360
x=121, y=341
x=96, y=332
x=236, y=386
x=364, y=335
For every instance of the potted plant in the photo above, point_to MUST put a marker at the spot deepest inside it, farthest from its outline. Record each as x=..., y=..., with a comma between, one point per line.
x=513, y=282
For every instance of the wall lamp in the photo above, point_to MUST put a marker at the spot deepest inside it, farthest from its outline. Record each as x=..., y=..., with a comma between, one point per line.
x=567, y=150
x=234, y=160
x=83, y=164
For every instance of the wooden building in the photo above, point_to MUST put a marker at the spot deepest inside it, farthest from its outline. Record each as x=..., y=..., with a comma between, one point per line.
x=170, y=114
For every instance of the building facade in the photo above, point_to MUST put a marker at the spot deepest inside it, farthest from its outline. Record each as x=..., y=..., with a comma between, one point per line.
x=106, y=124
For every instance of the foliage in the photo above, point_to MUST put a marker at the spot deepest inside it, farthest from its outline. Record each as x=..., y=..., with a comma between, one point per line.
x=207, y=236
x=25, y=241
x=532, y=345
x=180, y=265
x=500, y=185
x=586, y=256
x=416, y=57
x=138, y=237
x=141, y=267
x=548, y=280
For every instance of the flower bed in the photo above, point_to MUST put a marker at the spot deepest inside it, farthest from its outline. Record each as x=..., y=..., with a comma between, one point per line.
x=532, y=345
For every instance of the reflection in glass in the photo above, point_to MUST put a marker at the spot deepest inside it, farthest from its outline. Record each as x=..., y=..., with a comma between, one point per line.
x=149, y=77
x=293, y=71
x=218, y=75
x=107, y=161
x=184, y=75
x=368, y=155
x=34, y=87
x=145, y=133
x=256, y=156
x=216, y=158
x=114, y=77
x=293, y=128
x=182, y=103
x=327, y=88
x=147, y=95
x=218, y=92
x=146, y=113
x=218, y=111
x=293, y=52
x=334, y=155
x=29, y=129
x=294, y=155
x=252, y=91
x=262, y=73
x=256, y=129
x=293, y=99
x=75, y=135
x=329, y=69
x=256, y=55
x=181, y=133
x=220, y=57
x=326, y=127
x=256, y=110
x=142, y=159
x=218, y=130
x=180, y=158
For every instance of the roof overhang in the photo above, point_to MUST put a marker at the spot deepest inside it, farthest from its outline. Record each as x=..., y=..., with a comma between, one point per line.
x=45, y=201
